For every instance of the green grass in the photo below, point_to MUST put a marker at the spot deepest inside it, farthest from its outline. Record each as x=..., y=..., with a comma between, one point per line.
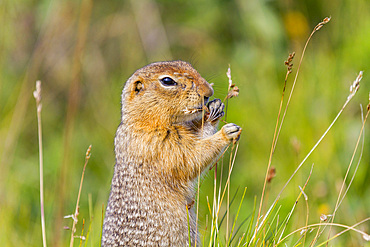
x=83, y=51
x=264, y=233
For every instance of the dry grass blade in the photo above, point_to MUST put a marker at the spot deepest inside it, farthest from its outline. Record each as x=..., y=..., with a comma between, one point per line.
x=277, y=132
x=352, y=93
x=236, y=217
x=347, y=228
x=75, y=215
x=289, y=65
x=219, y=203
x=197, y=214
x=91, y=220
x=233, y=90
x=353, y=89
x=81, y=237
x=199, y=173
x=296, y=201
x=37, y=95
x=102, y=221
x=187, y=217
x=74, y=97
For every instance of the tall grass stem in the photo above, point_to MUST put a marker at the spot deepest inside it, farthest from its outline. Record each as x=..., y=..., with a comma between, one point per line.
x=276, y=133
x=37, y=95
x=75, y=215
x=340, y=199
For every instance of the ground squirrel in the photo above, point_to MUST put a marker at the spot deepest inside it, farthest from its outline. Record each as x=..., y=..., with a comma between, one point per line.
x=164, y=140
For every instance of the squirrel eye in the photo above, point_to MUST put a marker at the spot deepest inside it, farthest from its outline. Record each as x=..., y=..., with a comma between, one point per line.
x=168, y=81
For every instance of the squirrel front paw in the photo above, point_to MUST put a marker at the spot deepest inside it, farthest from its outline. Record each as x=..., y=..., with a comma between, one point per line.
x=231, y=131
x=216, y=110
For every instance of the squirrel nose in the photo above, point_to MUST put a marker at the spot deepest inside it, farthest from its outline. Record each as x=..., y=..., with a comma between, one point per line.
x=207, y=90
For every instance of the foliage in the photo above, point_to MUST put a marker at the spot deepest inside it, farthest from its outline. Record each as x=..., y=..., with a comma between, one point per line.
x=83, y=51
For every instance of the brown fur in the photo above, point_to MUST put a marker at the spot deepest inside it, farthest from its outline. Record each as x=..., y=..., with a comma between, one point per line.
x=162, y=143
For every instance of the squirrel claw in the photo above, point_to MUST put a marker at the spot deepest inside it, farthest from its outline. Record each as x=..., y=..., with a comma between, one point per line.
x=216, y=110
x=232, y=131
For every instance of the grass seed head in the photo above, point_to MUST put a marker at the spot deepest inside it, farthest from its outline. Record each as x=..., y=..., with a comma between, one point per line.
x=323, y=217
x=288, y=62
x=355, y=86
x=366, y=237
x=271, y=174
x=234, y=92
x=326, y=20
x=228, y=74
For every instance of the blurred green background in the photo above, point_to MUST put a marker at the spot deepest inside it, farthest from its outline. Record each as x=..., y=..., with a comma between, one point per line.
x=83, y=51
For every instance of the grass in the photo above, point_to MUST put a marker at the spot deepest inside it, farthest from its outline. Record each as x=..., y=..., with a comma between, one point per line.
x=37, y=95
x=258, y=236
x=95, y=46
x=76, y=213
x=261, y=230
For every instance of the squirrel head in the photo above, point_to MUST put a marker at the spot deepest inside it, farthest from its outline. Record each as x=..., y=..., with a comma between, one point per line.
x=164, y=93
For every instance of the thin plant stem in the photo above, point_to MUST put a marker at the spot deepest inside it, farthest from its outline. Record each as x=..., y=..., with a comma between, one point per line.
x=364, y=234
x=214, y=201
x=196, y=217
x=236, y=217
x=75, y=215
x=339, y=199
x=215, y=163
x=228, y=186
x=37, y=95
x=347, y=228
x=317, y=27
x=217, y=198
x=308, y=212
x=249, y=229
x=295, y=204
x=73, y=103
x=214, y=226
x=91, y=219
x=102, y=221
x=82, y=232
x=228, y=204
x=317, y=234
x=354, y=88
x=276, y=132
x=227, y=182
x=187, y=216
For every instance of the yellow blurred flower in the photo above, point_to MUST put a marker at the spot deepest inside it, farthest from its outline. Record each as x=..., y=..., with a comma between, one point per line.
x=323, y=209
x=296, y=25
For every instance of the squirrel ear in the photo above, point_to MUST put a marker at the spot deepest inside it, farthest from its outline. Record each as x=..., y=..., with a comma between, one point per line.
x=138, y=86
